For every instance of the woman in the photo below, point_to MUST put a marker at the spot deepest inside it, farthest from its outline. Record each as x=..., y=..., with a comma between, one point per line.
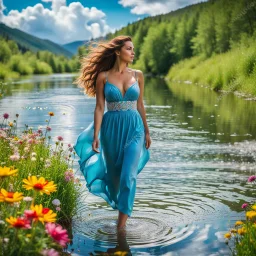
x=114, y=148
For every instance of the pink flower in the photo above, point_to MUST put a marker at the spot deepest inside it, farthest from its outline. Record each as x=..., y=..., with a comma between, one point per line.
x=58, y=208
x=69, y=145
x=69, y=175
x=252, y=178
x=49, y=252
x=5, y=115
x=14, y=157
x=39, y=131
x=244, y=205
x=60, y=138
x=58, y=234
x=48, y=128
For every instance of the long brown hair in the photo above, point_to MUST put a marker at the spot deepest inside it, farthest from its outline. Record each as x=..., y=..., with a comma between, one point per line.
x=100, y=58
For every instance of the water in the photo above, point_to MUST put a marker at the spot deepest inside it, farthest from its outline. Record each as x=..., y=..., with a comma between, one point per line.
x=190, y=192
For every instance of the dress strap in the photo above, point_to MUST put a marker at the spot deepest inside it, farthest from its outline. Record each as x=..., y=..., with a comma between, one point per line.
x=136, y=75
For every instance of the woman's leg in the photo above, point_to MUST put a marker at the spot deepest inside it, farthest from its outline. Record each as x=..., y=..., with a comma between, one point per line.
x=128, y=180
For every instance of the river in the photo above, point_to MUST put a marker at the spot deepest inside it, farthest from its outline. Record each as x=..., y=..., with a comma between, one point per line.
x=190, y=192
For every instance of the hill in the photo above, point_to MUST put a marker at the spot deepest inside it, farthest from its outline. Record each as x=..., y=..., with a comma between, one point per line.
x=32, y=43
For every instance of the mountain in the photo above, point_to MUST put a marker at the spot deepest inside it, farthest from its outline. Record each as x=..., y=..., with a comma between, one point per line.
x=73, y=46
x=31, y=42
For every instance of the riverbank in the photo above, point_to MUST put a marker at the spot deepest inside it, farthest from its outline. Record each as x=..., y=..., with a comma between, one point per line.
x=233, y=71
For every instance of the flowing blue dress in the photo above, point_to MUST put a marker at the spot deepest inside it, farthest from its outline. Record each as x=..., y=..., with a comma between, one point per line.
x=112, y=173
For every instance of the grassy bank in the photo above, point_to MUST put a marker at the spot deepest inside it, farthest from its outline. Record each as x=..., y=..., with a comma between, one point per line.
x=232, y=71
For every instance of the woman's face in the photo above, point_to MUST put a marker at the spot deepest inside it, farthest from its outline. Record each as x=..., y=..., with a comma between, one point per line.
x=127, y=52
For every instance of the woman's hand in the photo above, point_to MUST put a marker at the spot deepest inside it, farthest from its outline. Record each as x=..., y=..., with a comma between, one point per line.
x=95, y=145
x=148, y=140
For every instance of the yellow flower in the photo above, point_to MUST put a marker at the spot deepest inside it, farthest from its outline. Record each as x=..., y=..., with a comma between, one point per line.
x=241, y=231
x=41, y=185
x=227, y=235
x=1, y=197
x=16, y=138
x=254, y=207
x=10, y=197
x=10, y=124
x=19, y=222
x=238, y=223
x=251, y=214
x=7, y=171
x=43, y=214
x=233, y=230
x=51, y=113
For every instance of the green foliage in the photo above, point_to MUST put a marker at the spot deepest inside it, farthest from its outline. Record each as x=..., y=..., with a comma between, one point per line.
x=202, y=29
x=5, y=52
x=156, y=55
x=234, y=70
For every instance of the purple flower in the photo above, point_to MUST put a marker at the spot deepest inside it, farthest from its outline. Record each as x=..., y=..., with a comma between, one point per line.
x=48, y=128
x=244, y=206
x=5, y=115
x=60, y=138
x=252, y=178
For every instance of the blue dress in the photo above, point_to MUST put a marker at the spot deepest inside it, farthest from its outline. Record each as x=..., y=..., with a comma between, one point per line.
x=112, y=173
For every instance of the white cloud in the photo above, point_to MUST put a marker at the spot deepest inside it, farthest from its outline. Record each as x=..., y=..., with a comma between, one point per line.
x=61, y=23
x=2, y=7
x=155, y=7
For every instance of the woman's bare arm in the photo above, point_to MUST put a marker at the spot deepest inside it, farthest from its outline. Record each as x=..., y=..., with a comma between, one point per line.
x=100, y=103
x=140, y=104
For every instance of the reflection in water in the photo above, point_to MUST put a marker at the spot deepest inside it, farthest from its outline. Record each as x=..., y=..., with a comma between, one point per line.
x=203, y=149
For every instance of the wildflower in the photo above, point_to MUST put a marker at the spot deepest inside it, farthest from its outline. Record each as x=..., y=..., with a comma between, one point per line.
x=56, y=202
x=233, y=230
x=58, y=234
x=252, y=178
x=10, y=197
x=33, y=159
x=19, y=222
x=37, y=212
x=7, y=171
x=241, y=231
x=6, y=115
x=51, y=113
x=41, y=185
x=238, y=223
x=69, y=145
x=254, y=207
x=49, y=252
x=27, y=198
x=244, y=205
x=58, y=208
x=15, y=157
x=227, y=235
x=6, y=240
x=251, y=214
x=33, y=154
x=69, y=175
x=48, y=128
x=60, y=138
x=10, y=124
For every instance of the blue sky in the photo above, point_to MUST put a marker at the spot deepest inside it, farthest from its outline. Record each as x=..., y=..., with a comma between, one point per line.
x=116, y=13
x=64, y=21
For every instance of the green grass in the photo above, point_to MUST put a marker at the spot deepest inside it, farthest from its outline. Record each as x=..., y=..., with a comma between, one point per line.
x=231, y=71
